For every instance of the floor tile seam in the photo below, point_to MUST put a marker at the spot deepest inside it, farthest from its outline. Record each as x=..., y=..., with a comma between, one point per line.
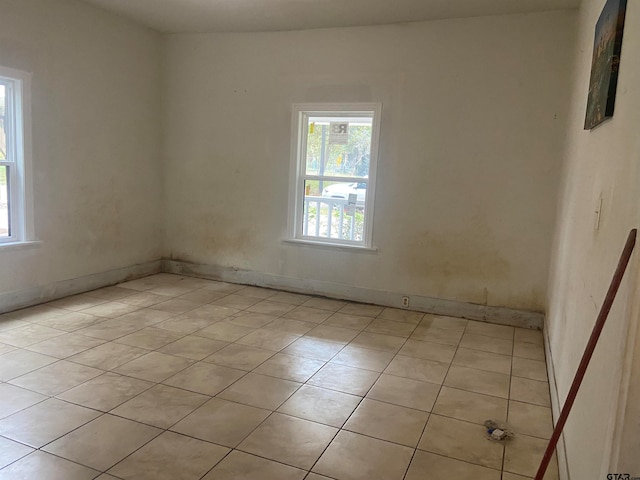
x=279, y=462
x=342, y=429
x=361, y=368
x=479, y=334
x=544, y=359
x=483, y=334
x=477, y=393
x=387, y=402
x=184, y=335
x=341, y=326
x=142, y=327
x=530, y=403
x=62, y=332
x=53, y=455
x=538, y=343
x=89, y=293
x=415, y=450
x=54, y=395
x=9, y=315
x=338, y=430
x=245, y=373
x=476, y=349
x=108, y=317
x=397, y=335
x=529, y=378
x=170, y=429
x=216, y=464
x=8, y=381
x=439, y=414
x=154, y=381
x=19, y=458
x=162, y=431
x=300, y=385
x=75, y=353
x=431, y=413
x=402, y=322
x=463, y=420
x=365, y=393
x=486, y=351
x=474, y=391
x=464, y=461
x=294, y=305
x=25, y=408
x=472, y=462
x=480, y=369
x=113, y=369
x=57, y=397
x=416, y=380
x=271, y=375
x=110, y=412
x=411, y=322
x=41, y=447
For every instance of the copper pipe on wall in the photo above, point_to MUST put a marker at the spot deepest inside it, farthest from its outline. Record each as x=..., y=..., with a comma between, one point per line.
x=588, y=353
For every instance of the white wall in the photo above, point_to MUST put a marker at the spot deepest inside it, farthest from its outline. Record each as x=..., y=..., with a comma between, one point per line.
x=96, y=130
x=472, y=133
x=602, y=163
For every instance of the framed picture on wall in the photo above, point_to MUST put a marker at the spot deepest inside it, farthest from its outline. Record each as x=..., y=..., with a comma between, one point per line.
x=605, y=63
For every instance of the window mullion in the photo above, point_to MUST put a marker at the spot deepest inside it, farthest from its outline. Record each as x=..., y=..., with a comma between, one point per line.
x=329, y=178
x=325, y=150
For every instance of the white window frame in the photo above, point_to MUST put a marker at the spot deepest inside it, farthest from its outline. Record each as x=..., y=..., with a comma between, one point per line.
x=18, y=138
x=301, y=112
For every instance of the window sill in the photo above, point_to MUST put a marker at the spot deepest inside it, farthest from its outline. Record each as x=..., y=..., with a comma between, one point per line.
x=330, y=246
x=9, y=247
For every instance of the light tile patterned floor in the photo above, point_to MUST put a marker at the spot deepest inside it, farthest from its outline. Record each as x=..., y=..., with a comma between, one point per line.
x=171, y=377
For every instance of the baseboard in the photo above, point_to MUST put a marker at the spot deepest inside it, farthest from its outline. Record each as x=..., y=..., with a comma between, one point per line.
x=561, y=451
x=41, y=294
x=45, y=293
x=437, y=306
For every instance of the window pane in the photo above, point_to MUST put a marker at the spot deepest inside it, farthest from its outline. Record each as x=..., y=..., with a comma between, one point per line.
x=338, y=146
x=334, y=210
x=4, y=202
x=3, y=136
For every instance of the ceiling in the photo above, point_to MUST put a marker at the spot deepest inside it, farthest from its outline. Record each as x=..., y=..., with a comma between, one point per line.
x=183, y=16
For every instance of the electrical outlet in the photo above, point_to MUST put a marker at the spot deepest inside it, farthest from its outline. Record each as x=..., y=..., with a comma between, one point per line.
x=405, y=302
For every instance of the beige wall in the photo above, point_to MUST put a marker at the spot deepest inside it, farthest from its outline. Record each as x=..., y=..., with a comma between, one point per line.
x=600, y=164
x=470, y=153
x=97, y=179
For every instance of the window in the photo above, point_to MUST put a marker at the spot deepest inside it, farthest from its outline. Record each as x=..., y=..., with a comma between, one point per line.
x=333, y=173
x=14, y=156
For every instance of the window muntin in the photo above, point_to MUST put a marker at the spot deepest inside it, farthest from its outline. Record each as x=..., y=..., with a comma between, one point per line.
x=14, y=98
x=334, y=164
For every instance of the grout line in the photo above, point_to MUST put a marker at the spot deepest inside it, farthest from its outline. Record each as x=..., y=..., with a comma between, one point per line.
x=243, y=311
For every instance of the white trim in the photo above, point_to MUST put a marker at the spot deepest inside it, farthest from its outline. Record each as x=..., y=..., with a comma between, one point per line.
x=10, y=247
x=420, y=303
x=297, y=175
x=19, y=139
x=347, y=246
x=10, y=301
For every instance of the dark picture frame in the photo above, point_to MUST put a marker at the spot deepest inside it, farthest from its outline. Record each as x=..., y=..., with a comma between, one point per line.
x=605, y=63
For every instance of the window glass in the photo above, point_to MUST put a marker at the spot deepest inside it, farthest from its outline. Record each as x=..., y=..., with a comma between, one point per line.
x=335, y=162
x=4, y=201
x=15, y=219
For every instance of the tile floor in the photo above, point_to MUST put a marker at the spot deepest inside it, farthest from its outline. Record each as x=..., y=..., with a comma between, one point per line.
x=170, y=377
